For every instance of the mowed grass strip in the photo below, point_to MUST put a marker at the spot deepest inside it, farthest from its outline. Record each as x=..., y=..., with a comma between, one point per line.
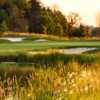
x=32, y=45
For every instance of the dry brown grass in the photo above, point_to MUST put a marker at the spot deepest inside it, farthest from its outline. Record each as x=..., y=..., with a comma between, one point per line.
x=48, y=36
x=53, y=84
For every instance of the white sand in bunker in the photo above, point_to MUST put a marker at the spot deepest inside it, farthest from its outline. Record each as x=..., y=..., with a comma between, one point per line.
x=42, y=40
x=19, y=39
x=14, y=39
x=75, y=50
x=65, y=51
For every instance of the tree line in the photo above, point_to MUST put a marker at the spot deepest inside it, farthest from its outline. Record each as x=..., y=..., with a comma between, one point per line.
x=32, y=16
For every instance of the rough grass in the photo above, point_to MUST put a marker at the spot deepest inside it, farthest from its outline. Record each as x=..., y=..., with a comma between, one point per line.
x=63, y=82
x=50, y=59
x=17, y=34
x=53, y=77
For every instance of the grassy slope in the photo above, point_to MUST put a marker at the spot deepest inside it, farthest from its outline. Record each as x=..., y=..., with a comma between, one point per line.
x=4, y=41
x=31, y=45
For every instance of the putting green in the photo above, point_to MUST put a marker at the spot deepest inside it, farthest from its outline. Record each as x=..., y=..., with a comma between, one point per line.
x=31, y=45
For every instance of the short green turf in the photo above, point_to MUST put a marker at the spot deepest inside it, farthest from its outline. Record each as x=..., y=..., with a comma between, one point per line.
x=33, y=45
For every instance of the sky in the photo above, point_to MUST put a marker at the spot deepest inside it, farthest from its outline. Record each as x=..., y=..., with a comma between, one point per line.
x=87, y=9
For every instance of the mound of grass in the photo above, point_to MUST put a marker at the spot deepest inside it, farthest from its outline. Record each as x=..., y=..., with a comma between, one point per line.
x=4, y=41
x=37, y=38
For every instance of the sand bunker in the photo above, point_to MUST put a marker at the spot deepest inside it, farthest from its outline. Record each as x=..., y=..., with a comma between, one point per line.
x=75, y=50
x=18, y=39
x=42, y=40
x=65, y=51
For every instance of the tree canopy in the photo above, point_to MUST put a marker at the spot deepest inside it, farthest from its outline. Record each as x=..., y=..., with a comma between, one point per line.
x=32, y=16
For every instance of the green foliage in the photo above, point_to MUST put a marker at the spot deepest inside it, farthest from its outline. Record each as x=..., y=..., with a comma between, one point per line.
x=59, y=29
x=3, y=26
x=54, y=22
x=3, y=15
x=81, y=31
x=32, y=16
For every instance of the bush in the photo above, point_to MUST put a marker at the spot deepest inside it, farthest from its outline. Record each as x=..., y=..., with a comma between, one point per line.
x=3, y=26
x=82, y=31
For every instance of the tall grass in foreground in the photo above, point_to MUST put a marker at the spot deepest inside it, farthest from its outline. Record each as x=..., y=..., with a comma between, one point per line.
x=62, y=82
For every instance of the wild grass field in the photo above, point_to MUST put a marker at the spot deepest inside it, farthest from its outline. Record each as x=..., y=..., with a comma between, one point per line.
x=71, y=81
x=52, y=76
